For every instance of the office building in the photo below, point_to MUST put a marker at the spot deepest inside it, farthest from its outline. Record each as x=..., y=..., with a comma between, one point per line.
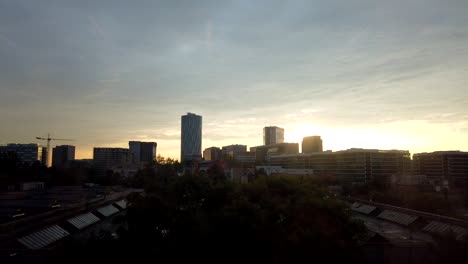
x=143, y=152
x=246, y=159
x=312, y=144
x=353, y=165
x=213, y=153
x=108, y=158
x=263, y=153
x=26, y=153
x=450, y=166
x=63, y=155
x=230, y=152
x=191, y=137
x=273, y=135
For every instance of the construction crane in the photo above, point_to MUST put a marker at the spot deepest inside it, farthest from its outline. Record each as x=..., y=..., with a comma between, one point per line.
x=48, y=144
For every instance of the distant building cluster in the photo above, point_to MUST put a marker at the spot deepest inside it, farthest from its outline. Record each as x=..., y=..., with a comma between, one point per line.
x=26, y=153
x=445, y=168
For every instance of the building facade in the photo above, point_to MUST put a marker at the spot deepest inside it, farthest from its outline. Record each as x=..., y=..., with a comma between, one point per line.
x=109, y=158
x=273, y=135
x=27, y=153
x=246, y=159
x=63, y=155
x=230, y=152
x=352, y=165
x=312, y=144
x=264, y=153
x=213, y=153
x=143, y=152
x=191, y=137
x=451, y=166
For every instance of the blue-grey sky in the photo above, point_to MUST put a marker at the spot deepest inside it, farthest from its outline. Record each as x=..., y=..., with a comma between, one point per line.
x=374, y=74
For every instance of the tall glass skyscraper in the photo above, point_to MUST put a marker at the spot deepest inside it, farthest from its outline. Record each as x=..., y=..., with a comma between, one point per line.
x=191, y=137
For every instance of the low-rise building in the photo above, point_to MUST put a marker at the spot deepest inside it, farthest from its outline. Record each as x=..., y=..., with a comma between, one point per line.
x=278, y=170
x=264, y=153
x=230, y=152
x=212, y=153
x=451, y=166
x=355, y=165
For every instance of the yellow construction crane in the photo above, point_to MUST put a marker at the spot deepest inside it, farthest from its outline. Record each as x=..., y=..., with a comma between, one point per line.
x=48, y=144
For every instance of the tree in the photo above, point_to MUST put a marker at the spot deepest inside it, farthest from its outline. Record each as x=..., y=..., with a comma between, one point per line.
x=271, y=220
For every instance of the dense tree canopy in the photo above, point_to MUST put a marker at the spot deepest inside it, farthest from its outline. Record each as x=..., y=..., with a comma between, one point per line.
x=272, y=220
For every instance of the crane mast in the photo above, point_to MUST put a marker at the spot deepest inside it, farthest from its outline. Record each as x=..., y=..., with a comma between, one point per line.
x=48, y=152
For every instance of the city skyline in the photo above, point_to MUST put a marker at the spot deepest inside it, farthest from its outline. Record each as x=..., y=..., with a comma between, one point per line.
x=257, y=142
x=390, y=75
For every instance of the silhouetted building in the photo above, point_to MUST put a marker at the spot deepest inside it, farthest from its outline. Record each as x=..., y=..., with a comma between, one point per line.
x=27, y=153
x=108, y=158
x=45, y=156
x=191, y=137
x=263, y=153
x=230, y=152
x=62, y=155
x=213, y=153
x=353, y=165
x=273, y=135
x=81, y=163
x=451, y=166
x=143, y=152
x=312, y=144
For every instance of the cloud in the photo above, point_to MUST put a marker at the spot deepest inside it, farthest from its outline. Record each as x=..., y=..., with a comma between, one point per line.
x=242, y=65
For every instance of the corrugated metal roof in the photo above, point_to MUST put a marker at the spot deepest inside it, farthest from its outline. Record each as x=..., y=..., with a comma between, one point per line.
x=44, y=237
x=122, y=204
x=441, y=228
x=363, y=208
x=108, y=210
x=84, y=220
x=397, y=217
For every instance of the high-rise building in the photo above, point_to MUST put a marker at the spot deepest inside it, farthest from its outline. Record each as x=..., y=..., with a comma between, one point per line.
x=107, y=158
x=143, y=152
x=63, y=155
x=191, y=137
x=213, y=153
x=273, y=135
x=27, y=153
x=230, y=152
x=312, y=144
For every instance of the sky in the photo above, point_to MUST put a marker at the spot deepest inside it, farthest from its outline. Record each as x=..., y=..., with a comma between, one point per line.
x=363, y=74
